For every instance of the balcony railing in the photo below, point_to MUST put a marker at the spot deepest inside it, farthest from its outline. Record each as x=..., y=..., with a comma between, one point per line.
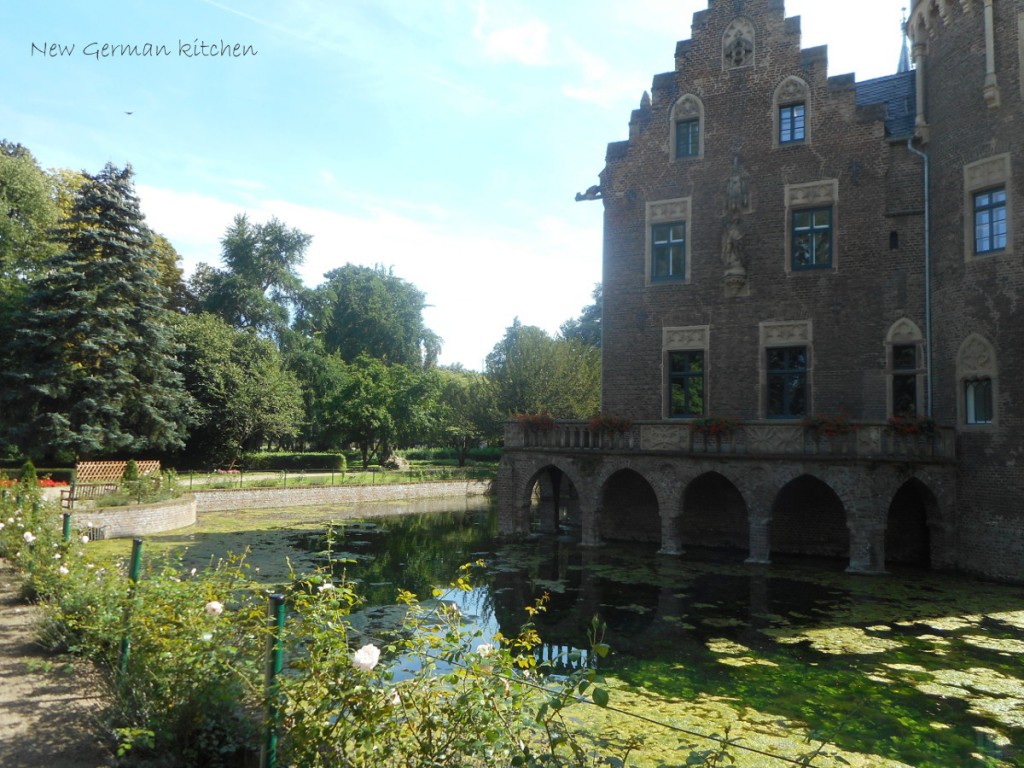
x=754, y=438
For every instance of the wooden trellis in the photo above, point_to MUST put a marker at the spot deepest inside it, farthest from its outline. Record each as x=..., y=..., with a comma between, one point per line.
x=110, y=471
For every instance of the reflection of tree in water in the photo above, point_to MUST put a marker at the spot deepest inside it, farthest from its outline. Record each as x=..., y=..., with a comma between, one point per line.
x=567, y=573
x=409, y=552
x=704, y=624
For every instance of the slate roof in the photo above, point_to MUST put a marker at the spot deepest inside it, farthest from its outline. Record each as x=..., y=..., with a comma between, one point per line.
x=898, y=93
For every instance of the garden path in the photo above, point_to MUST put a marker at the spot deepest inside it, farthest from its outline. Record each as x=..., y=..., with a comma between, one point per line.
x=48, y=708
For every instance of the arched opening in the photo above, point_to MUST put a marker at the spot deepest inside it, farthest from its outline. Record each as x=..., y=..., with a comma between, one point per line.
x=907, y=540
x=808, y=519
x=554, y=502
x=629, y=509
x=714, y=514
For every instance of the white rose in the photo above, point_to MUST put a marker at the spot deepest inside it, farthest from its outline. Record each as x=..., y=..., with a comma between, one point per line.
x=214, y=608
x=485, y=649
x=366, y=658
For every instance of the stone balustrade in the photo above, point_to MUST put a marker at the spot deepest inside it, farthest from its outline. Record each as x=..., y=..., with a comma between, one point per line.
x=760, y=439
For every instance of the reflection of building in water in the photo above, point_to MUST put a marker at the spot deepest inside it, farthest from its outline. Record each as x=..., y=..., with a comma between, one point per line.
x=817, y=342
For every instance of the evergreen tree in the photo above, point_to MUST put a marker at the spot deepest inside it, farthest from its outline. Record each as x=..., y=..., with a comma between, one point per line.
x=93, y=367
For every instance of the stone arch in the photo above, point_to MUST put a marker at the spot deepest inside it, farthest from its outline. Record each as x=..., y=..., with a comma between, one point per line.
x=739, y=44
x=629, y=508
x=808, y=517
x=687, y=108
x=977, y=378
x=904, y=331
x=524, y=480
x=554, y=500
x=912, y=512
x=714, y=513
x=790, y=92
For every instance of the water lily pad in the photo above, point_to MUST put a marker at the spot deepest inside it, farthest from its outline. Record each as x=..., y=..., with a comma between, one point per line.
x=745, y=661
x=1003, y=645
x=951, y=623
x=837, y=640
x=1013, y=618
x=726, y=646
x=546, y=585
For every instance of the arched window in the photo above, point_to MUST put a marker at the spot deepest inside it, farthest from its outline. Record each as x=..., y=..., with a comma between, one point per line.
x=686, y=137
x=904, y=368
x=792, y=113
x=977, y=377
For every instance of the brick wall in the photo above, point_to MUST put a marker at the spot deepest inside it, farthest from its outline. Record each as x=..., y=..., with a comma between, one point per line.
x=982, y=294
x=879, y=241
x=851, y=307
x=138, y=520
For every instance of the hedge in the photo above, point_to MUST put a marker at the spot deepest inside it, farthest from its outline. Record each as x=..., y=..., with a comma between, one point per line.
x=295, y=461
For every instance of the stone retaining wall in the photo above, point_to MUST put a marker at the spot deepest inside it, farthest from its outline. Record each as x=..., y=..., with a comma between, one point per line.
x=122, y=522
x=137, y=520
x=263, y=498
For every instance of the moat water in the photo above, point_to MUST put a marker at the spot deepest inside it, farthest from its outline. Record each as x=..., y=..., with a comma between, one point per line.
x=913, y=668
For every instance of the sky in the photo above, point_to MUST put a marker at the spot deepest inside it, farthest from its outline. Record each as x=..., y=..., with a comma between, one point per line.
x=443, y=139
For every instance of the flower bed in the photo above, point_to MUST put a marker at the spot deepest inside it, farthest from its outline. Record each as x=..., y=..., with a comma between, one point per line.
x=828, y=425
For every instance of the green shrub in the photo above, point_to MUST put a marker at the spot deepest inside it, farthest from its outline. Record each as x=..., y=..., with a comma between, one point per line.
x=325, y=462
x=28, y=474
x=488, y=454
x=143, y=490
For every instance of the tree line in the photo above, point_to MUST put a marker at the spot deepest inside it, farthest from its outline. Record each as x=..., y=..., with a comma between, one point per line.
x=109, y=351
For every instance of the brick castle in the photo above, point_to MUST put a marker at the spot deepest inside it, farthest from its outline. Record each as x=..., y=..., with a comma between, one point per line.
x=812, y=305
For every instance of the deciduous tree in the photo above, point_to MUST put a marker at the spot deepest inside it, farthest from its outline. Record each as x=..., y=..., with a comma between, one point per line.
x=370, y=310
x=587, y=327
x=241, y=392
x=466, y=414
x=259, y=282
x=385, y=406
x=533, y=372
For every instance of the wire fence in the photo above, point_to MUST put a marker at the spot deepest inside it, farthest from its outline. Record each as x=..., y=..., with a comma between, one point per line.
x=297, y=478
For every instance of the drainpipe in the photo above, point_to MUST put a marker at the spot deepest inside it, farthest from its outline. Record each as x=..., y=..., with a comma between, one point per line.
x=927, y=283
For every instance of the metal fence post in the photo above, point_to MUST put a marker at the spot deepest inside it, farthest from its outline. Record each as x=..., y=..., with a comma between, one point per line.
x=134, y=569
x=275, y=657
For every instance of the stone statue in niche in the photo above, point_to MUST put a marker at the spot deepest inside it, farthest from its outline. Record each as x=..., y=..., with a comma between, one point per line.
x=732, y=247
x=737, y=198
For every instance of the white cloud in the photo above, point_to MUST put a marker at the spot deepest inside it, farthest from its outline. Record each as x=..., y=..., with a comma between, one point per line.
x=476, y=279
x=525, y=43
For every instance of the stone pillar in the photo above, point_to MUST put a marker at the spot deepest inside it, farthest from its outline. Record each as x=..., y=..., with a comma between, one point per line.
x=867, y=548
x=591, y=534
x=550, y=500
x=669, y=489
x=670, y=538
x=991, y=86
x=920, y=122
x=760, y=540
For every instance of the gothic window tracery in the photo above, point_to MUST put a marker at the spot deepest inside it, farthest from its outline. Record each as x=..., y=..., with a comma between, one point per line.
x=738, y=44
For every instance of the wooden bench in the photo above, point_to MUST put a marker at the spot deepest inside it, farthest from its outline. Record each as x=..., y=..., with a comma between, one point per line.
x=95, y=478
